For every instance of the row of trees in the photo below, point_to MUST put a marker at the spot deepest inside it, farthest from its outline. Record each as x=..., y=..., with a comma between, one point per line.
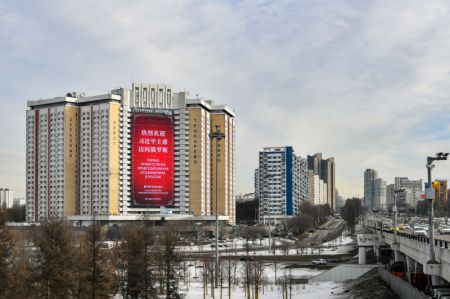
x=56, y=262
x=309, y=216
x=351, y=211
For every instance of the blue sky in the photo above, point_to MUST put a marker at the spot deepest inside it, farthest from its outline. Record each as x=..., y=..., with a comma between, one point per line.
x=367, y=82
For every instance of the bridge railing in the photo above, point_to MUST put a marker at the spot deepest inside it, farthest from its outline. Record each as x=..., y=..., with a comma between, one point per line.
x=422, y=239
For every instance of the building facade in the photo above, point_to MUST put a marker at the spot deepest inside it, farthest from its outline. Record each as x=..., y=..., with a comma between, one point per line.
x=379, y=194
x=370, y=175
x=325, y=169
x=413, y=189
x=6, y=198
x=135, y=151
x=282, y=183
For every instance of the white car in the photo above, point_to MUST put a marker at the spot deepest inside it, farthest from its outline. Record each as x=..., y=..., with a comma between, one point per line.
x=319, y=262
x=444, y=230
x=420, y=233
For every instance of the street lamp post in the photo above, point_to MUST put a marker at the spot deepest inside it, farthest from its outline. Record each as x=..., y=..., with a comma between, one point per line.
x=395, y=208
x=430, y=166
x=218, y=136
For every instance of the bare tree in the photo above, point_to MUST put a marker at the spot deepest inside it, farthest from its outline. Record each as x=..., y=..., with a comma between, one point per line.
x=55, y=260
x=171, y=261
x=97, y=278
x=229, y=269
x=137, y=266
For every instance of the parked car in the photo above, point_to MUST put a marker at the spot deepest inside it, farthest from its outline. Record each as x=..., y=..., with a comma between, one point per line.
x=319, y=262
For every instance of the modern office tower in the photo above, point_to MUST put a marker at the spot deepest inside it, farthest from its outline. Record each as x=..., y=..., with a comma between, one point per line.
x=379, y=194
x=143, y=151
x=442, y=195
x=413, y=187
x=389, y=195
x=370, y=175
x=315, y=163
x=328, y=176
x=6, y=198
x=325, y=169
x=283, y=183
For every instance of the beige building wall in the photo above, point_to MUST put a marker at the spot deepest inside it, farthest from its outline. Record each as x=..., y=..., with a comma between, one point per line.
x=199, y=165
x=226, y=185
x=114, y=157
x=71, y=169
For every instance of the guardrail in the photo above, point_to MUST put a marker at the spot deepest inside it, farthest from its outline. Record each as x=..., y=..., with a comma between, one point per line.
x=403, y=289
x=422, y=239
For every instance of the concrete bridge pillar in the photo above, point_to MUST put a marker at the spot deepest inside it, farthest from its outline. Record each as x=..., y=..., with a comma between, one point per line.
x=362, y=255
x=396, y=248
x=409, y=266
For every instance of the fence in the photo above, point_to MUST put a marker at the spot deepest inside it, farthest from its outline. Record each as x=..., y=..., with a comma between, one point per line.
x=403, y=289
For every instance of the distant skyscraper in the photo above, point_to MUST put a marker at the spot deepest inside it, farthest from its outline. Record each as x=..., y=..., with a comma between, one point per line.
x=6, y=198
x=370, y=175
x=282, y=183
x=390, y=195
x=325, y=169
x=379, y=194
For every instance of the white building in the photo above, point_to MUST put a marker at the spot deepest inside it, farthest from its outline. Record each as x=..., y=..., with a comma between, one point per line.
x=6, y=198
x=413, y=189
x=282, y=183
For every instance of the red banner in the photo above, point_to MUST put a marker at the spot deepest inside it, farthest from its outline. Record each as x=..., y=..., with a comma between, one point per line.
x=152, y=159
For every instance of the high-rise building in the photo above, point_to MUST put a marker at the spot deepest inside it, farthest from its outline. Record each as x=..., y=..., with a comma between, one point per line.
x=413, y=189
x=442, y=195
x=390, y=195
x=370, y=175
x=379, y=194
x=129, y=152
x=6, y=198
x=325, y=169
x=283, y=183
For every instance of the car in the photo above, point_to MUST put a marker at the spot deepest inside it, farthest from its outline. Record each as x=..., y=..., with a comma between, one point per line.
x=445, y=230
x=319, y=262
x=420, y=233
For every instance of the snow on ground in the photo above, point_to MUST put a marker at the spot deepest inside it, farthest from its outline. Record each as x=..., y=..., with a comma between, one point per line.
x=323, y=290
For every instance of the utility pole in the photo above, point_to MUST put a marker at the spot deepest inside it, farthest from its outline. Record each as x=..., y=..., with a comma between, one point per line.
x=218, y=136
x=395, y=208
x=432, y=263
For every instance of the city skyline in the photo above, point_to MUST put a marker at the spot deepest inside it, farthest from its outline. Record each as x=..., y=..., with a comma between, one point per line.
x=365, y=83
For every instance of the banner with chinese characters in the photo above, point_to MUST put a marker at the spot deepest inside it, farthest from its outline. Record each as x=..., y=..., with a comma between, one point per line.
x=152, y=159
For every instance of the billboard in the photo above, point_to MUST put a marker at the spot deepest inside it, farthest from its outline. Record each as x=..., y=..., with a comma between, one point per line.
x=152, y=159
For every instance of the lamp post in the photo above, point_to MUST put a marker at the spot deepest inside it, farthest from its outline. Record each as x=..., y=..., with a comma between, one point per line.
x=218, y=136
x=395, y=208
x=430, y=166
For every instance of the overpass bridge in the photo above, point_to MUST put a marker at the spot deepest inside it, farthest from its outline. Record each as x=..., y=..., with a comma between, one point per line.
x=412, y=249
